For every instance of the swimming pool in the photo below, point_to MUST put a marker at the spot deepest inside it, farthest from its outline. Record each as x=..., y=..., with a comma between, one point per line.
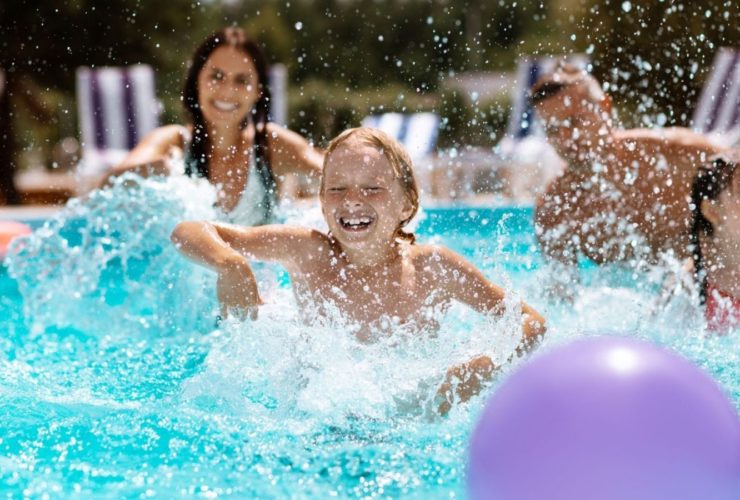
x=115, y=380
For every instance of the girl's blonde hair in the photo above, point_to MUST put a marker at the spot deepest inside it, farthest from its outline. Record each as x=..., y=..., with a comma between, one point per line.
x=397, y=156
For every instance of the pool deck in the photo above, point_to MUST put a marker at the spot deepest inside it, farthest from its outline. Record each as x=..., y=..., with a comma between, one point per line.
x=29, y=212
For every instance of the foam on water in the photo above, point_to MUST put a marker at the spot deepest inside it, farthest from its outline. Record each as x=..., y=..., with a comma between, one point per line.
x=115, y=379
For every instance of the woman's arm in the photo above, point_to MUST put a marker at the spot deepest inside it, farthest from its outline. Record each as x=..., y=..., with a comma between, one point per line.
x=150, y=156
x=291, y=153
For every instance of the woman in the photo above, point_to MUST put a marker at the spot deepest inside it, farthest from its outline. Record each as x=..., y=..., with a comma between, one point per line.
x=230, y=140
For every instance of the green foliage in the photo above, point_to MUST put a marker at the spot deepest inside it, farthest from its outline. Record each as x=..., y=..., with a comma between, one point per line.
x=349, y=58
x=655, y=54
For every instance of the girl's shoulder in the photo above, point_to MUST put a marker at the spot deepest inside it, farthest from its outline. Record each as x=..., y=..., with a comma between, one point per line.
x=312, y=242
x=432, y=257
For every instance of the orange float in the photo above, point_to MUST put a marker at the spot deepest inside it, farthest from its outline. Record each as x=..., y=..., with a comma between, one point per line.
x=9, y=230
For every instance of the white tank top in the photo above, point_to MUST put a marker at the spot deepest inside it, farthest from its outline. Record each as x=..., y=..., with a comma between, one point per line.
x=251, y=210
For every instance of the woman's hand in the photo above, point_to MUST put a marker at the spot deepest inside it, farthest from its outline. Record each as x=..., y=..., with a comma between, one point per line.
x=156, y=167
x=464, y=381
x=237, y=291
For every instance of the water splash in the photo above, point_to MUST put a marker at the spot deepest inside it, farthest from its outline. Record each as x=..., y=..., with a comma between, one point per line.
x=320, y=372
x=70, y=270
x=275, y=407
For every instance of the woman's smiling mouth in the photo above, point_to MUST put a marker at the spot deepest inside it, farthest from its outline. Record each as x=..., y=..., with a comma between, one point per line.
x=224, y=105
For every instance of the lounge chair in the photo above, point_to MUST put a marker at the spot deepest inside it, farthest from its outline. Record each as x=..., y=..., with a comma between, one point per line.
x=523, y=120
x=417, y=132
x=718, y=110
x=116, y=107
x=277, y=76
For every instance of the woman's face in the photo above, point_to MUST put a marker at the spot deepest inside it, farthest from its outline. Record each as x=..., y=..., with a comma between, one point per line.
x=228, y=86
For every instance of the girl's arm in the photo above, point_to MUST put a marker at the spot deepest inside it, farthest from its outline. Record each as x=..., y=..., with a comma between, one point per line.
x=462, y=281
x=226, y=248
x=291, y=153
x=215, y=245
x=150, y=156
x=465, y=283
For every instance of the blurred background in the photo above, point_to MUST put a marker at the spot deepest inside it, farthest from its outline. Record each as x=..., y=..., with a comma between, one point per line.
x=347, y=59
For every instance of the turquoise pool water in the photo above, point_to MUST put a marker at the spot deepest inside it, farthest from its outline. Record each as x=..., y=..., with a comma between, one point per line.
x=114, y=379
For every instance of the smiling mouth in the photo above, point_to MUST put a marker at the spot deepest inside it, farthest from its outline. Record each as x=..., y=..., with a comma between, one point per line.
x=356, y=223
x=224, y=105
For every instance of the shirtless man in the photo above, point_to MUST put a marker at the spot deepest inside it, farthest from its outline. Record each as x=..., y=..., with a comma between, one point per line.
x=624, y=193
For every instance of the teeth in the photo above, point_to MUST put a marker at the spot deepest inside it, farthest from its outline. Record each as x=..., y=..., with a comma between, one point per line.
x=356, y=221
x=224, y=106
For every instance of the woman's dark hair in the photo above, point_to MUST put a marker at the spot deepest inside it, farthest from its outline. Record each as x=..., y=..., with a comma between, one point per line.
x=711, y=179
x=259, y=115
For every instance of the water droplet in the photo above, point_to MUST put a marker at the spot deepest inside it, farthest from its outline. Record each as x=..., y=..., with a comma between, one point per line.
x=626, y=6
x=299, y=26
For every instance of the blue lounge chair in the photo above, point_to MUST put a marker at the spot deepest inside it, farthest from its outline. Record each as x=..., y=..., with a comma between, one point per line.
x=528, y=161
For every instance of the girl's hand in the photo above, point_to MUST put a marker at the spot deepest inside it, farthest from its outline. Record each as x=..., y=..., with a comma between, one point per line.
x=464, y=381
x=237, y=291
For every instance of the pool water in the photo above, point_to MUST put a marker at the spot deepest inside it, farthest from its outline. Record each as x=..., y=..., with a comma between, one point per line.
x=116, y=381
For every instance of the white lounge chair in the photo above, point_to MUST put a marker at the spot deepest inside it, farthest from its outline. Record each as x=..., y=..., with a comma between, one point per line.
x=417, y=132
x=718, y=110
x=277, y=76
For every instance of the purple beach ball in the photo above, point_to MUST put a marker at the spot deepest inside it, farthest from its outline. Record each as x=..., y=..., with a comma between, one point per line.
x=608, y=418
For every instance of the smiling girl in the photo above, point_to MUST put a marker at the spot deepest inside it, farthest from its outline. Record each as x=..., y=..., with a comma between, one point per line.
x=366, y=265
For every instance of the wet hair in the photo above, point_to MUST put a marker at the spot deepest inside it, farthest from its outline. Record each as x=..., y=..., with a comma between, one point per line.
x=397, y=156
x=259, y=115
x=561, y=77
x=710, y=181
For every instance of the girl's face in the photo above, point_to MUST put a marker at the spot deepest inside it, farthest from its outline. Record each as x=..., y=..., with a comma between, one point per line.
x=228, y=86
x=362, y=200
